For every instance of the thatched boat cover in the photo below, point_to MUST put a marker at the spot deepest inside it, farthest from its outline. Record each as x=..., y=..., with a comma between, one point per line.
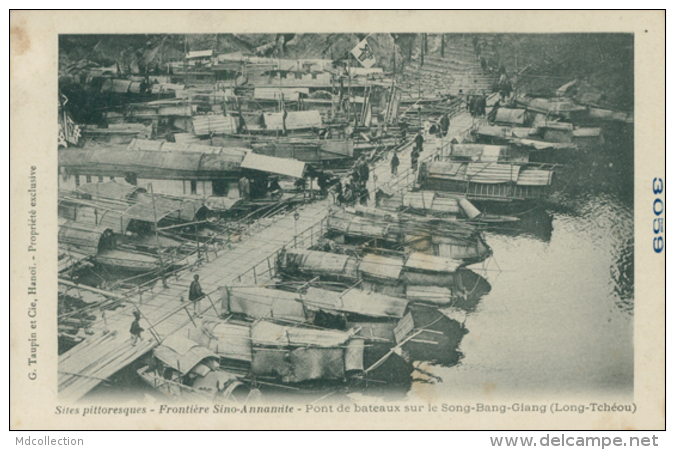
x=181, y=161
x=491, y=173
x=146, y=163
x=429, y=294
x=298, y=354
x=320, y=263
x=272, y=335
x=505, y=132
x=422, y=200
x=116, y=215
x=299, y=364
x=478, y=152
x=542, y=145
x=422, y=262
x=294, y=120
x=432, y=202
x=282, y=166
x=355, y=301
x=83, y=237
x=381, y=267
x=111, y=189
x=356, y=226
x=152, y=145
x=275, y=94
x=512, y=116
x=207, y=124
x=228, y=340
x=182, y=354
x=263, y=303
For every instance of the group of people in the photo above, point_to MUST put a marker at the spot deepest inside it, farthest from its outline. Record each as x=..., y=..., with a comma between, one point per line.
x=418, y=147
x=477, y=104
x=259, y=187
x=356, y=187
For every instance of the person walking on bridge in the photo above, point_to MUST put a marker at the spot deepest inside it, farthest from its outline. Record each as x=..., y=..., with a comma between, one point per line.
x=445, y=125
x=394, y=164
x=419, y=142
x=195, y=295
x=414, y=157
x=136, y=329
x=364, y=170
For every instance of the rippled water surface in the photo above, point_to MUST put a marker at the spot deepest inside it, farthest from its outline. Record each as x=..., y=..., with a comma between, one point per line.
x=559, y=318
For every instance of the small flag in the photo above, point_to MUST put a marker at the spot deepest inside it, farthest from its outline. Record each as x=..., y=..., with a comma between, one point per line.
x=62, y=138
x=72, y=131
x=364, y=53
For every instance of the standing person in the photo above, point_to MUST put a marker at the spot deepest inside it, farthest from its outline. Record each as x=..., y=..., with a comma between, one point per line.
x=356, y=173
x=136, y=329
x=482, y=105
x=244, y=189
x=493, y=114
x=322, y=181
x=338, y=192
x=419, y=141
x=394, y=164
x=274, y=188
x=445, y=125
x=356, y=170
x=348, y=196
x=414, y=157
x=364, y=171
x=195, y=295
x=403, y=128
x=508, y=88
x=364, y=195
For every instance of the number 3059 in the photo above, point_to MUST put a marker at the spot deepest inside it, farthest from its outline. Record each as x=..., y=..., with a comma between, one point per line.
x=657, y=186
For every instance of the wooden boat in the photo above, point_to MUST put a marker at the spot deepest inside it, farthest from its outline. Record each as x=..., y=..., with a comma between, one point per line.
x=325, y=308
x=484, y=153
x=308, y=149
x=561, y=107
x=443, y=237
x=382, y=318
x=488, y=181
x=298, y=355
x=426, y=333
x=438, y=204
x=182, y=369
x=419, y=278
x=99, y=244
x=134, y=262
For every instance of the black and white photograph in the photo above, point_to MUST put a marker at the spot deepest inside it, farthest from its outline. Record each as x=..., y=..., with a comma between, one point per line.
x=303, y=223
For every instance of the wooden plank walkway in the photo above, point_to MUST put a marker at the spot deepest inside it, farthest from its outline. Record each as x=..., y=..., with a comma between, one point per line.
x=166, y=311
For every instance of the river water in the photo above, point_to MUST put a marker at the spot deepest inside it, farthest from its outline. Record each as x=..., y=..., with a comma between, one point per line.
x=559, y=318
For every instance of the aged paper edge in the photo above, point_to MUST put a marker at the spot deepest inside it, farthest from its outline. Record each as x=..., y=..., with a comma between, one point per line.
x=33, y=90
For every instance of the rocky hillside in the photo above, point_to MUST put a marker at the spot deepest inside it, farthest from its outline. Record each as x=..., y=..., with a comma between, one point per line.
x=602, y=62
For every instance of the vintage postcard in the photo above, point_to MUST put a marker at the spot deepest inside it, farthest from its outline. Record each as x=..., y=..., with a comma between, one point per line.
x=337, y=220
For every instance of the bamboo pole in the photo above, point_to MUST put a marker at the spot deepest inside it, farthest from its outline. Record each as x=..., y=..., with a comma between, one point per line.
x=159, y=244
